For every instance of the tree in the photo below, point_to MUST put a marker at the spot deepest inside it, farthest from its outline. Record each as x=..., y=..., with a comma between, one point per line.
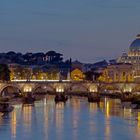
x=89, y=75
x=54, y=57
x=4, y=72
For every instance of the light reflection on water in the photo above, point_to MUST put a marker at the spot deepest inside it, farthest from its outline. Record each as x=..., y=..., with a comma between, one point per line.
x=75, y=120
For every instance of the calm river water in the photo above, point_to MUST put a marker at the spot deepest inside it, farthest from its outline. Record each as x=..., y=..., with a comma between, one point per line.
x=75, y=120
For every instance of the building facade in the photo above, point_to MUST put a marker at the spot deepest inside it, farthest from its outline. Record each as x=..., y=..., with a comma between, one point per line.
x=133, y=57
x=121, y=72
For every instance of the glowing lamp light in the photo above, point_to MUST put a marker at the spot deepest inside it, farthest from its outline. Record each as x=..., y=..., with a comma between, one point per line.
x=93, y=89
x=59, y=89
x=127, y=90
x=27, y=89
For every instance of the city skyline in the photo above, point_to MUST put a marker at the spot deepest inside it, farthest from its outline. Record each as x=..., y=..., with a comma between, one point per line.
x=95, y=30
x=70, y=69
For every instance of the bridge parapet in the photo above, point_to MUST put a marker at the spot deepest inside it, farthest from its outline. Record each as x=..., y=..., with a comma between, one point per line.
x=83, y=86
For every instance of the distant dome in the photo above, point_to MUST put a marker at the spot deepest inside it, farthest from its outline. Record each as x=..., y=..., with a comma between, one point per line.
x=135, y=45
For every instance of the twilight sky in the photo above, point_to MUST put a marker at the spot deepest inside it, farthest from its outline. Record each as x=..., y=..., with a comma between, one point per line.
x=87, y=30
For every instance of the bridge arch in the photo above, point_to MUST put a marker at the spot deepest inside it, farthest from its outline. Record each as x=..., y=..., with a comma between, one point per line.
x=110, y=88
x=136, y=88
x=10, y=90
x=78, y=87
x=43, y=88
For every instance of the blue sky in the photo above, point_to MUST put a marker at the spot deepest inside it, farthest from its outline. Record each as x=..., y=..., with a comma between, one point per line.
x=87, y=30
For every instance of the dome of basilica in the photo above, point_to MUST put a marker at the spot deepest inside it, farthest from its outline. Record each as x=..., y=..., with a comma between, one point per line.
x=135, y=45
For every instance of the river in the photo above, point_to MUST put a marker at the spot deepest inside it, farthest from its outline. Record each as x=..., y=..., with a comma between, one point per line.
x=75, y=120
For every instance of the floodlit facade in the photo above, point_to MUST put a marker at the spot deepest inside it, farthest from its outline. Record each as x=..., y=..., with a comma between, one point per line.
x=120, y=72
x=77, y=75
x=133, y=57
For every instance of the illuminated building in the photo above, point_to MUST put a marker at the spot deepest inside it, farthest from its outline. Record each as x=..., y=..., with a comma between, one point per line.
x=133, y=57
x=52, y=56
x=77, y=75
x=120, y=72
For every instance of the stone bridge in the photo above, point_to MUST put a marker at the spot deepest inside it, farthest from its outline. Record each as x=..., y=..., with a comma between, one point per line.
x=71, y=86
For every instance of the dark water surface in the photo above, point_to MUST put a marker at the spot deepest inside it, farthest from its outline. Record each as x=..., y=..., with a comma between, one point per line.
x=75, y=120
